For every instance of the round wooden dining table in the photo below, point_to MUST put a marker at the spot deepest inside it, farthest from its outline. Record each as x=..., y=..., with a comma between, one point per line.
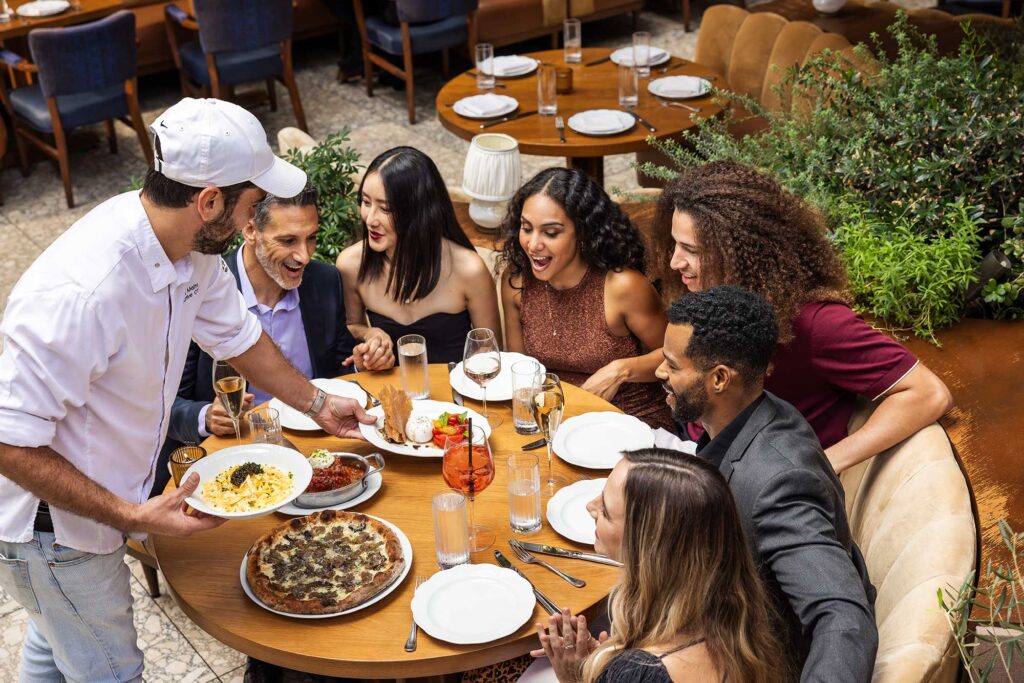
x=202, y=571
x=594, y=87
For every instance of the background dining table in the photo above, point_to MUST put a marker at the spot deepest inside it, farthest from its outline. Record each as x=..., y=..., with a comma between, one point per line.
x=202, y=571
x=79, y=12
x=594, y=87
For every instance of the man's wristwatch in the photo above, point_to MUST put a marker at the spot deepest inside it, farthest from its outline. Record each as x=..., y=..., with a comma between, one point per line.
x=318, y=403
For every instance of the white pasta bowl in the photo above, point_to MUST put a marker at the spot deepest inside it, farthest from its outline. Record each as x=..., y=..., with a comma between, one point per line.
x=290, y=462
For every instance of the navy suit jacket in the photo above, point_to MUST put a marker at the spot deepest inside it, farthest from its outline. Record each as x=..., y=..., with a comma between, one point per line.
x=330, y=343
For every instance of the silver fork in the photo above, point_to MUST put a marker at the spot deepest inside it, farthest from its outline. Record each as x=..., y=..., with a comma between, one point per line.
x=370, y=398
x=560, y=125
x=529, y=558
x=410, y=643
x=681, y=105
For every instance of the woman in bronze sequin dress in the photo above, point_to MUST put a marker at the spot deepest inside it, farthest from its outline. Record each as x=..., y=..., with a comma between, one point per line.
x=575, y=296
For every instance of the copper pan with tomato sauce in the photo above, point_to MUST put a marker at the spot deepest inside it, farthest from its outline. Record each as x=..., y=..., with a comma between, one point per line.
x=360, y=468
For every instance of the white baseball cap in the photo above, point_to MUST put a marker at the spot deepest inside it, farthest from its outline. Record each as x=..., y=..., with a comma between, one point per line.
x=213, y=143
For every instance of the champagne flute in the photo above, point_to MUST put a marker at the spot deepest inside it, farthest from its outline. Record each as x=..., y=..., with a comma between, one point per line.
x=469, y=469
x=548, y=406
x=229, y=386
x=481, y=362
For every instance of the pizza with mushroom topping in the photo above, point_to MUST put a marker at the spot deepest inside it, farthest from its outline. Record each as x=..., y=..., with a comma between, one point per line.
x=326, y=562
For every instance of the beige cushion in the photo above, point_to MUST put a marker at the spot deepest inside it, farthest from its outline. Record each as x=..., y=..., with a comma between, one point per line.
x=910, y=512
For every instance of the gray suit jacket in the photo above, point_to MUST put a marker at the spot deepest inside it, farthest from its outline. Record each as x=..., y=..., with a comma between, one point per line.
x=793, y=512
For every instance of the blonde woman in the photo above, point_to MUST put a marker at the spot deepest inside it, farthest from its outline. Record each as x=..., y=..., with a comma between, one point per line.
x=689, y=605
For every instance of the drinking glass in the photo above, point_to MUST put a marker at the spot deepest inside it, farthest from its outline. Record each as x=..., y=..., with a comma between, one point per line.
x=481, y=362
x=412, y=363
x=548, y=407
x=484, y=66
x=547, y=90
x=5, y=12
x=642, y=53
x=181, y=459
x=451, y=532
x=525, y=376
x=524, y=493
x=264, y=425
x=573, y=41
x=468, y=468
x=229, y=386
x=628, y=86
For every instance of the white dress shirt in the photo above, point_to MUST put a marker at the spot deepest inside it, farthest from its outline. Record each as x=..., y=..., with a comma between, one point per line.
x=96, y=334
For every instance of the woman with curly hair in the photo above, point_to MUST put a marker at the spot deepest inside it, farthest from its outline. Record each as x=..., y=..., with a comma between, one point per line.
x=726, y=223
x=574, y=292
x=689, y=604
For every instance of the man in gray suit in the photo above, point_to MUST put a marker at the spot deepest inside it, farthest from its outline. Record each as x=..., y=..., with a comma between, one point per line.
x=718, y=346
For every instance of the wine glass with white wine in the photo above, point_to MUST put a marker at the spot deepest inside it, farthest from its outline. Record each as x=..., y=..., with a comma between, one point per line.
x=229, y=386
x=481, y=362
x=548, y=407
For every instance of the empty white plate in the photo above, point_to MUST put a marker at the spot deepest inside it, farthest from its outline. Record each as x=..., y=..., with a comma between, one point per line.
x=513, y=66
x=499, y=388
x=624, y=56
x=679, y=87
x=485, y=106
x=567, y=510
x=596, y=440
x=42, y=8
x=293, y=419
x=601, y=122
x=473, y=603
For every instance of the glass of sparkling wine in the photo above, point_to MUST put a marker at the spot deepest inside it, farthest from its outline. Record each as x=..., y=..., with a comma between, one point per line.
x=548, y=406
x=524, y=493
x=451, y=530
x=573, y=41
x=412, y=363
x=468, y=468
x=481, y=362
x=229, y=386
x=525, y=378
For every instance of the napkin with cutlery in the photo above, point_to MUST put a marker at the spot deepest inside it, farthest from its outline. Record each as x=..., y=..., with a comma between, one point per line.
x=599, y=121
x=484, y=105
x=512, y=65
x=624, y=55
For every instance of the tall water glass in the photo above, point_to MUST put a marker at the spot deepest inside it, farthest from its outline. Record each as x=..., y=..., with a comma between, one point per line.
x=547, y=90
x=265, y=425
x=525, y=377
x=642, y=53
x=484, y=66
x=628, y=86
x=412, y=364
x=451, y=529
x=524, y=493
x=573, y=41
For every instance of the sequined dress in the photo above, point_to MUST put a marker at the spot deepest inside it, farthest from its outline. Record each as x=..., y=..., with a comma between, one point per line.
x=567, y=331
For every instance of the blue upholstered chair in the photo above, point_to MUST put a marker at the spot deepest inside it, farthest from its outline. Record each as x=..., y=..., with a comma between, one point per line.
x=425, y=26
x=239, y=41
x=86, y=74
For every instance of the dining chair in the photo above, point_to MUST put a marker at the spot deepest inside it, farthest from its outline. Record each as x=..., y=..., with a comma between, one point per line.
x=239, y=41
x=97, y=84
x=424, y=26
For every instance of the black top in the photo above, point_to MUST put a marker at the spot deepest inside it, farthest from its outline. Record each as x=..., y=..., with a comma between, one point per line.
x=713, y=450
x=445, y=333
x=640, y=666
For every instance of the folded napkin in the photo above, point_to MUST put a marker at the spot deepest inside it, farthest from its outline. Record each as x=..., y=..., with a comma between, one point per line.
x=484, y=105
x=512, y=65
x=666, y=439
x=681, y=86
x=624, y=55
x=599, y=121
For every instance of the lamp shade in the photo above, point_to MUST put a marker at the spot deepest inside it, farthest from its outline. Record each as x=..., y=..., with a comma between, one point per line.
x=493, y=171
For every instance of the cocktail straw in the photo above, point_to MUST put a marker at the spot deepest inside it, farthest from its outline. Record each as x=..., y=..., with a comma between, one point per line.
x=472, y=478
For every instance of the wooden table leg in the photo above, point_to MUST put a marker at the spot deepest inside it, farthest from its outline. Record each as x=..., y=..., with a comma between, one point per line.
x=592, y=166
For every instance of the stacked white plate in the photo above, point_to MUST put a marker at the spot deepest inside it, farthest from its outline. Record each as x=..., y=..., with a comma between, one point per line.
x=513, y=66
x=624, y=56
x=42, y=8
x=473, y=603
x=567, y=510
x=596, y=440
x=293, y=419
x=679, y=87
x=485, y=106
x=499, y=388
x=601, y=122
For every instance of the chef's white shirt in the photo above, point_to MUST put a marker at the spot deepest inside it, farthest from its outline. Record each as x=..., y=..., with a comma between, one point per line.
x=96, y=333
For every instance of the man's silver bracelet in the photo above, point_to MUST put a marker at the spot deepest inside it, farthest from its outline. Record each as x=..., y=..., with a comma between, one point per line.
x=318, y=403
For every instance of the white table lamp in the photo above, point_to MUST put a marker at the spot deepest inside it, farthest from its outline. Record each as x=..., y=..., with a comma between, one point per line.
x=491, y=176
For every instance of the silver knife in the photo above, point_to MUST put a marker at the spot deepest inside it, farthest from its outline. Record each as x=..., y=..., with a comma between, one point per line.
x=533, y=445
x=544, y=601
x=643, y=122
x=510, y=117
x=572, y=554
x=456, y=396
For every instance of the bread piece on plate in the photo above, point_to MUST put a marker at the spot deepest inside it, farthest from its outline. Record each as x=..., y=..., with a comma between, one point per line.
x=397, y=410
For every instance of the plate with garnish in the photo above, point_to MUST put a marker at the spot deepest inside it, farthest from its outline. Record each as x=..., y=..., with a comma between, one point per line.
x=418, y=428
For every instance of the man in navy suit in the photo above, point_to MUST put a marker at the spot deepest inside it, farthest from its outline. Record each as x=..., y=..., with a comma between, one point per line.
x=298, y=302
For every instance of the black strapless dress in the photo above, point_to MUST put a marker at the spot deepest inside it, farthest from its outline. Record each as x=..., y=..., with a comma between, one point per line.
x=445, y=333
